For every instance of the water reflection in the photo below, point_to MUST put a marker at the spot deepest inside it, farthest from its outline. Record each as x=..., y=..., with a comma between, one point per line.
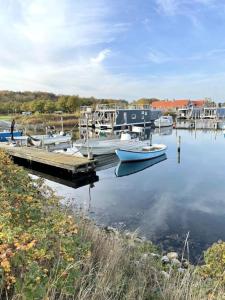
x=128, y=168
x=164, y=130
x=169, y=200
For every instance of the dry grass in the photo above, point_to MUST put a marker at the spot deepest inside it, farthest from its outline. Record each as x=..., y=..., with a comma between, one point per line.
x=48, y=119
x=118, y=268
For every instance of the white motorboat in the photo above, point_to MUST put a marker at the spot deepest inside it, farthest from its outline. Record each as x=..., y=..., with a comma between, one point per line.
x=73, y=151
x=143, y=153
x=42, y=140
x=99, y=147
x=164, y=121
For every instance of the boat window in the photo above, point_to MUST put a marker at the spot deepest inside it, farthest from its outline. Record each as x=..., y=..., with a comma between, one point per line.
x=142, y=112
x=146, y=113
x=133, y=116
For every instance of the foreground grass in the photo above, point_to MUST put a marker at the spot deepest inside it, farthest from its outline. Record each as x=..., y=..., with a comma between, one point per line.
x=48, y=253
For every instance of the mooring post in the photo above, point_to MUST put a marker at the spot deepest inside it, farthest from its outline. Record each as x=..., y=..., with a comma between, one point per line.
x=62, y=127
x=178, y=143
x=150, y=139
x=178, y=149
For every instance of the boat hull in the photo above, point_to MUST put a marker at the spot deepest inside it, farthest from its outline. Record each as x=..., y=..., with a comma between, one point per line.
x=7, y=134
x=130, y=155
x=108, y=146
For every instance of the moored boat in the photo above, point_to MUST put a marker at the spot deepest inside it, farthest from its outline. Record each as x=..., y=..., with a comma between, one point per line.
x=143, y=153
x=164, y=121
x=6, y=134
x=99, y=147
x=41, y=140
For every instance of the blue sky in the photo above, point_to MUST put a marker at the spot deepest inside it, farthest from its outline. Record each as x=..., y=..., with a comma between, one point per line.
x=123, y=49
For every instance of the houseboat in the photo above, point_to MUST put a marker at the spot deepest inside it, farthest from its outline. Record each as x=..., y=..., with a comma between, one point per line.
x=117, y=117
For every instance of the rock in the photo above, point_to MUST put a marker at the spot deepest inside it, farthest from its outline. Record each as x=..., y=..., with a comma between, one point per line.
x=181, y=270
x=176, y=262
x=165, y=259
x=128, y=235
x=172, y=255
x=165, y=274
x=111, y=230
x=138, y=240
x=154, y=255
x=144, y=255
x=185, y=263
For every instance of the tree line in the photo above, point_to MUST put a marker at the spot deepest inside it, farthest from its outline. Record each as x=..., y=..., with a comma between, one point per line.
x=17, y=102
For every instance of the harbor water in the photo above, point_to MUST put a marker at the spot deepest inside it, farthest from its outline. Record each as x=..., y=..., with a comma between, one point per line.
x=163, y=200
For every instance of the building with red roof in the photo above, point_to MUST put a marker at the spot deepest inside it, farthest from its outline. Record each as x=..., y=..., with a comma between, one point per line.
x=174, y=105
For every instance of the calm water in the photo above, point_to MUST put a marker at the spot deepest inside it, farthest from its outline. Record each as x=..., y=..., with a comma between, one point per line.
x=168, y=199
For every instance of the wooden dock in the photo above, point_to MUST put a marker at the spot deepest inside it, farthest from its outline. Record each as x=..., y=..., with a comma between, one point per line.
x=49, y=160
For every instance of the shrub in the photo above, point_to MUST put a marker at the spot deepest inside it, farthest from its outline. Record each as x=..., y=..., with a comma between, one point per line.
x=39, y=242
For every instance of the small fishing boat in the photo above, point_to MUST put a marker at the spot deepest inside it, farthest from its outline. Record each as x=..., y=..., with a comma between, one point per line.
x=144, y=153
x=128, y=168
x=164, y=121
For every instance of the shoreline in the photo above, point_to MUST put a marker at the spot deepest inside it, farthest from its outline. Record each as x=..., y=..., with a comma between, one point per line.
x=47, y=252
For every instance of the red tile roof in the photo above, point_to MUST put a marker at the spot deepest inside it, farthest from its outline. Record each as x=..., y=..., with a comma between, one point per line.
x=171, y=104
x=198, y=103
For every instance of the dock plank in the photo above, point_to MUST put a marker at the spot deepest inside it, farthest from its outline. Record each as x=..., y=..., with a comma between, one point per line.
x=59, y=160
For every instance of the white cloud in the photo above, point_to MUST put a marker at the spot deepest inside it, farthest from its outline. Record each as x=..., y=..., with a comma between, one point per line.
x=56, y=46
x=169, y=7
x=89, y=79
x=101, y=56
x=182, y=7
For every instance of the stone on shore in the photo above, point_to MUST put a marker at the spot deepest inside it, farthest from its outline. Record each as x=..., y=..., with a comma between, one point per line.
x=172, y=255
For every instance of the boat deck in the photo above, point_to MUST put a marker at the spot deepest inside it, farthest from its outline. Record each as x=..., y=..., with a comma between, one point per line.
x=49, y=159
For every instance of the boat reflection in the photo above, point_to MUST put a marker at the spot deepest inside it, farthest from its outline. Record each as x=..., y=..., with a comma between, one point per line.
x=164, y=130
x=128, y=168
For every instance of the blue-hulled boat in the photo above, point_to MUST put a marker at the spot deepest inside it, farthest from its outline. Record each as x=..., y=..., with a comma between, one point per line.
x=128, y=168
x=144, y=153
x=4, y=135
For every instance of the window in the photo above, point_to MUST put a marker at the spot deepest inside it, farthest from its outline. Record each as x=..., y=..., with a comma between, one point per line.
x=146, y=113
x=133, y=116
x=142, y=112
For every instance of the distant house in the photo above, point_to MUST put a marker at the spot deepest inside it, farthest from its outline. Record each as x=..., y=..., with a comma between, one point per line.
x=170, y=105
x=175, y=105
x=26, y=113
x=58, y=112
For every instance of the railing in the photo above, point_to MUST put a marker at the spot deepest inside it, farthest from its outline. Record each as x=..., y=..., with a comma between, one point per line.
x=84, y=109
x=111, y=107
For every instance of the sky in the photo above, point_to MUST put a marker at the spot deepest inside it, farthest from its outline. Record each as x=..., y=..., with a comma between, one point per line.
x=123, y=49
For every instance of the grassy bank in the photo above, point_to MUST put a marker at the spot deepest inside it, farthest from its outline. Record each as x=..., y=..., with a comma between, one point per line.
x=48, y=253
x=44, y=120
x=5, y=118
